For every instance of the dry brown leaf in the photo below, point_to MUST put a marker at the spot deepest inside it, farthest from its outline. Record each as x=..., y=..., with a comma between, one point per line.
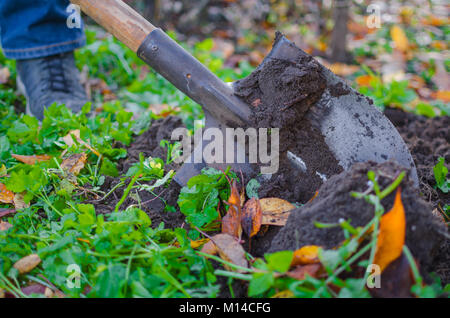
x=6, y=196
x=209, y=248
x=231, y=222
x=4, y=75
x=399, y=38
x=300, y=272
x=2, y=293
x=230, y=250
x=5, y=212
x=27, y=263
x=74, y=163
x=391, y=236
x=251, y=217
x=306, y=255
x=275, y=211
x=4, y=226
x=19, y=203
x=69, y=140
x=31, y=160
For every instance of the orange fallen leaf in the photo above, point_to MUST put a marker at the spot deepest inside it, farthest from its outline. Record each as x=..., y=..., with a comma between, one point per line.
x=308, y=254
x=391, y=236
x=31, y=160
x=74, y=163
x=442, y=95
x=365, y=80
x=275, y=211
x=231, y=222
x=399, y=38
x=251, y=217
x=27, y=263
x=6, y=196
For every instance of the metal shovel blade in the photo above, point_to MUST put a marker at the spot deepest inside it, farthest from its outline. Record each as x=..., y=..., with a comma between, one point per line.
x=353, y=129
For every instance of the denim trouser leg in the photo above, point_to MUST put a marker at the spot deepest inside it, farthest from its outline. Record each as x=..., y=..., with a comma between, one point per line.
x=37, y=28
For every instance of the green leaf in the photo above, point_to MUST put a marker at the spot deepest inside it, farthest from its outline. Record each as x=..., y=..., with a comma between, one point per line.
x=279, y=261
x=109, y=168
x=252, y=188
x=260, y=283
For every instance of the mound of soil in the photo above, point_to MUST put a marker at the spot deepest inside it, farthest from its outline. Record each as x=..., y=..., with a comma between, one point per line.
x=154, y=206
x=427, y=140
x=425, y=232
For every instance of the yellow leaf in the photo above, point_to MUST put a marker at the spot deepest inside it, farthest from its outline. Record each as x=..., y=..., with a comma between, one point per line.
x=6, y=196
x=399, y=38
x=27, y=263
x=198, y=243
x=306, y=255
x=275, y=211
x=284, y=294
x=31, y=160
x=391, y=236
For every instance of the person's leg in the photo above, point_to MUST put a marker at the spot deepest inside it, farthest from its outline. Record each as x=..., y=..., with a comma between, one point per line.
x=37, y=35
x=37, y=28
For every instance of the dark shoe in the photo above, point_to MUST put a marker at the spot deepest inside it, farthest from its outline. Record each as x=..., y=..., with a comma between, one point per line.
x=51, y=79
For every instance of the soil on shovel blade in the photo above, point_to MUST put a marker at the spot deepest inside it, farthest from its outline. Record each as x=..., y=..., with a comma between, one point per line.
x=280, y=93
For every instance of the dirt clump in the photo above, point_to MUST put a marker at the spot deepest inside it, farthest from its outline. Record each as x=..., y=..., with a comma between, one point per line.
x=425, y=232
x=280, y=92
x=427, y=140
x=148, y=143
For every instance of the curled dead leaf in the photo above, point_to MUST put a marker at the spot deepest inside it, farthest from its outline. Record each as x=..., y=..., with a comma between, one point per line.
x=31, y=160
x=4, y=226
x=6, y=196
x=230, y=250
x=209, y=248
x=19, y=202
x=275, y=211
x=231, y=222
x=306, y=255
x=251, y=217
x=74, y=135
x=27, y=263
x=74, y=163
x=391, y=236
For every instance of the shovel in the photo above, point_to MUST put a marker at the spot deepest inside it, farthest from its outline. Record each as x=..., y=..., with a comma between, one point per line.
x=352, y=128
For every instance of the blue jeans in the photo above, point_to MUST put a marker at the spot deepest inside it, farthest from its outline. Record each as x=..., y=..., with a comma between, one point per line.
x=37, y=28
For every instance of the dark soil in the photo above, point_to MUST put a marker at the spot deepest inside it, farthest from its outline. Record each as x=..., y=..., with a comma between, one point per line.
x=427, y=140
x=154, y=206
x=425, y=232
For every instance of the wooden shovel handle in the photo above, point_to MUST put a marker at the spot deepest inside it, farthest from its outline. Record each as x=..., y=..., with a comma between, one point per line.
x=119, y=19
